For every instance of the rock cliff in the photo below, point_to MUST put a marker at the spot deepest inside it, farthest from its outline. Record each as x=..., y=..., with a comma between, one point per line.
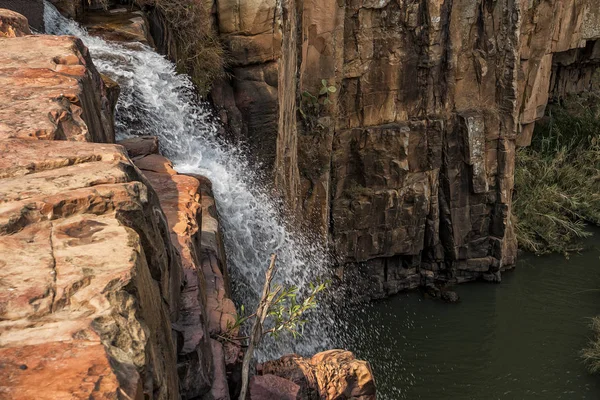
x=408, y=170
x=113, y=280
x=113, y=275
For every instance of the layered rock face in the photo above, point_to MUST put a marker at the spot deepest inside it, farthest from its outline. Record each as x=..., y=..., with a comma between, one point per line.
x=102, y=294
x=101, y=284
x=407, y=169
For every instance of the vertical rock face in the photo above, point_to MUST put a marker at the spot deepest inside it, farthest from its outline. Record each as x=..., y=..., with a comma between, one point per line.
x=559, y=52
x=206, y=306
x=408, y=170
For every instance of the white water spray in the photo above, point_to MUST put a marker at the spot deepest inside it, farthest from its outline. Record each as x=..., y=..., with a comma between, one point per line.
x=155, y=100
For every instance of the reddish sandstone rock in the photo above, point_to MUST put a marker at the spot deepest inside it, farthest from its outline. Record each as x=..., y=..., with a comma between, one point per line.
x=13, y=24
x=206, y=306
x=62, y=371
x=88, y=275
x=267, y=387
x=156, y=163
x=140, y=146
x=331, y=375
x=51, y=90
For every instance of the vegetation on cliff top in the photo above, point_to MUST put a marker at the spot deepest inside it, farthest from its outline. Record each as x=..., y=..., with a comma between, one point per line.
x=198, y=51
x=557, y=178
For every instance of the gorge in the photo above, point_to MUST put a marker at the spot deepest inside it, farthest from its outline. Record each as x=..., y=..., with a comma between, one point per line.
x=398, y=175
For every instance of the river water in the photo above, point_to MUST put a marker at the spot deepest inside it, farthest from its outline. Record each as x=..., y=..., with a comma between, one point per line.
x=519, y=339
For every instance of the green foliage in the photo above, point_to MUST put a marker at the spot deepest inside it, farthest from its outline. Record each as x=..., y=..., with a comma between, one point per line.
x=557, y=180
x=287, y=313
x=312, y=106
x=591, y=354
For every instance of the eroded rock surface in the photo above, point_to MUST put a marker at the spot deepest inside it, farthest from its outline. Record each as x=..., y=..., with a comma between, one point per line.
x=206, y=307
x=332, y=375
x=51, y=90
x=88, y=275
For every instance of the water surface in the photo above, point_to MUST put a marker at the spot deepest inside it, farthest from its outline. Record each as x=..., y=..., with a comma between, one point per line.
x=519, y=339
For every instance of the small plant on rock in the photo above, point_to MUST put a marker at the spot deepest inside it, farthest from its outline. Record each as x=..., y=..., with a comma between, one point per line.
x=278, y=311
x=312, y=106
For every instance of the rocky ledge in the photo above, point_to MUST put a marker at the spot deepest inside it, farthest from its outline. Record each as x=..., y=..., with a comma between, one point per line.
x=113, y=277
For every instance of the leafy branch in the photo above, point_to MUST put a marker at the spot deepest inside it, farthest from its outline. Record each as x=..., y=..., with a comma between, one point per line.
x=285, y=311
x=312, y=105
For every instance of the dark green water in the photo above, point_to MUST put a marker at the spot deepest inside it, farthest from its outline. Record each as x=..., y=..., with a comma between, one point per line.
x=519, y=339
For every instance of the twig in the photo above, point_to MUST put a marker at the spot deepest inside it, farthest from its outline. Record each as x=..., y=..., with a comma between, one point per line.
x=261, y=314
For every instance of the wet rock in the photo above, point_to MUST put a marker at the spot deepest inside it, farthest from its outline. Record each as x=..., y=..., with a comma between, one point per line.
x=140, y=146
x=119, y=24
x=450, y=297
x=266, y=387
x=333, y=374
x=112, y=91
x=69, y=8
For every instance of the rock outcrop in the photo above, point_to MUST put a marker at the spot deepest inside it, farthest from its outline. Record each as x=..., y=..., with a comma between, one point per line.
x=408, y=170
x=206, y=306
x=88, y=275
x=31, y=10
x=332, y=375
x=54, y=79
x=113, y=276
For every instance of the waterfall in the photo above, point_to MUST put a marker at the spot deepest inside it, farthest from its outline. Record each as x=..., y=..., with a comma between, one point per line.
x=155, y=100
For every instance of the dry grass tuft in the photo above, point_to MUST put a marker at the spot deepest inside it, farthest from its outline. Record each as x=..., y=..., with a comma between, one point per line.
x=198, y=51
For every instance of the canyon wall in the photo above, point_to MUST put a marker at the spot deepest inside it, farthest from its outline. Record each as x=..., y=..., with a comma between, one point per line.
x=407, y=170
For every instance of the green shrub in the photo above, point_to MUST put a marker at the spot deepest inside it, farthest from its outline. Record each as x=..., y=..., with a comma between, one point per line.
x=591, y=354
x=557, y=179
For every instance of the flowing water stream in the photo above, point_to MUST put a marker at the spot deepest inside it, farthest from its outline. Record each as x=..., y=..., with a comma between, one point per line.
x=155, y=100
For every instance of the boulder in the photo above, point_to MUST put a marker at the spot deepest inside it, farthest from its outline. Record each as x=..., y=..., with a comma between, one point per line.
x=140, y=146
x=119, y=24
x=267, y=387
x=13, y=24
x=331, y=375
x=31, y=10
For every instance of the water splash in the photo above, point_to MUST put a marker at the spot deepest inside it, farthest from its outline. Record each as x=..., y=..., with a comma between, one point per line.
x=155, y=100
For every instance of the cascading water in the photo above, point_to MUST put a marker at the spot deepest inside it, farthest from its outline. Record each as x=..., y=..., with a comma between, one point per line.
x=155, y=100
